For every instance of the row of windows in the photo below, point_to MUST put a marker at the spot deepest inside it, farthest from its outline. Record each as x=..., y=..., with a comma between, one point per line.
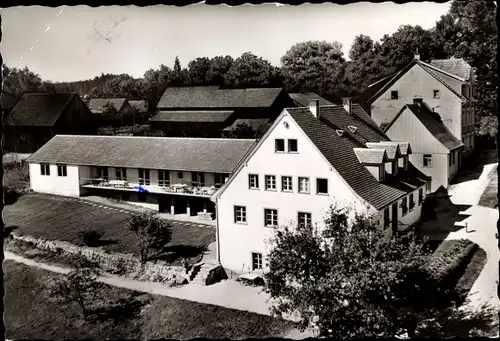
x=45, y=170
x=197, y=178
x=270, y=217
x=405, y=207
x=303, y=184
x=279, y=146
x=435, y=94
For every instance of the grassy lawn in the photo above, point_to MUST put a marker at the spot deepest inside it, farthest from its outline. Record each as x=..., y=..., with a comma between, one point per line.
x=121, y=314
x=489, y=197
x=53, y=218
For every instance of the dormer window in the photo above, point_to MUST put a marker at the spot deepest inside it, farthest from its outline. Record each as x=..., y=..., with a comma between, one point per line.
x=339, y=132
x=352, y=129
x=394, y=167
x=394, y=94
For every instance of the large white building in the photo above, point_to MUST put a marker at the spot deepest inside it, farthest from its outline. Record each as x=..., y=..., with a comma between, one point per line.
x=436, y=151
x=445, y=86
x=309, y=159
x=175, y=175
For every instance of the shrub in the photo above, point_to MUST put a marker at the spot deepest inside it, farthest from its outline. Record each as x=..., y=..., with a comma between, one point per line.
x=90, y=237
x=471, y=273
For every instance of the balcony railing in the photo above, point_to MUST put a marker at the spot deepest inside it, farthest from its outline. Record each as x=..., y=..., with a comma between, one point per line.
x=178, y=188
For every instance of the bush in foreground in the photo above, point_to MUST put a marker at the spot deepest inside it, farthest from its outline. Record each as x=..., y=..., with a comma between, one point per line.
x=153, y=234
x=90, y=237
x=349, y=280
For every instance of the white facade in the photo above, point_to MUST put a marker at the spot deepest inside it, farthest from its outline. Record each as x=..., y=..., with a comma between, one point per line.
x=52, y=182
x=77, y=181
x=409, y=128
x=238, y=241
x=418, y=83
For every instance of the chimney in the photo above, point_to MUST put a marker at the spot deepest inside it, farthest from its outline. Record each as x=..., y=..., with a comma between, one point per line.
x=314, y=107
x=347, y=101
x=417, y=56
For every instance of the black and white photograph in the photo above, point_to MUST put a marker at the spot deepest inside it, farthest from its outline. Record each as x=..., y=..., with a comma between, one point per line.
x=253, y=171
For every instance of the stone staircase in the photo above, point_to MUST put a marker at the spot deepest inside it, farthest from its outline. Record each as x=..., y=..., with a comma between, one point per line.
x=206, y=274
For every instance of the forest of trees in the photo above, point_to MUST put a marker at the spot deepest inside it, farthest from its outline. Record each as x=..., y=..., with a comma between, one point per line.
x=467, y=31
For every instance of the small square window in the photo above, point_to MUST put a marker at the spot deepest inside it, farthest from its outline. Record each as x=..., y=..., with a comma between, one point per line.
x=62, y=170
x=436, y=94
x=304, y=219
x=256, y=261
x=394, y=95
x=270, y=217
x=286, y=183
x=279, y=145
x=427, y=160
x=270, y=182
x=253, y=181
x=322, y=186
x=180, y=175
x=292, y=146
x=303, y=185
x=45, y=169
x=240, y=214
x=418, y=101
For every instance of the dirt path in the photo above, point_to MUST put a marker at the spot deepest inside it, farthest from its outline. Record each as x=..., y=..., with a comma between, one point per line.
x=228, y=294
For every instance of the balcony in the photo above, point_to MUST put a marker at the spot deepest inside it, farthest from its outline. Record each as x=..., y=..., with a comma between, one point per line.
x=184, y=189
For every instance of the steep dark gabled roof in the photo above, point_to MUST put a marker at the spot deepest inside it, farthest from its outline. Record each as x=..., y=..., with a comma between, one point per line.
x=101, y=104
x=433, y=123
x=302, y=98
x=456, y=66
x=339, y=151
x=39, y=109
x=199, y=97
x=208, y=116
x=186, y=154
x=375, y=89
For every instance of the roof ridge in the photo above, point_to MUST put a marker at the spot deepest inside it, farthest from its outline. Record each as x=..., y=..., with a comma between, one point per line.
x=156, y=137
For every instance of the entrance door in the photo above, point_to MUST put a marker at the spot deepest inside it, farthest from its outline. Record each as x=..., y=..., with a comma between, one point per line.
x=394, y=218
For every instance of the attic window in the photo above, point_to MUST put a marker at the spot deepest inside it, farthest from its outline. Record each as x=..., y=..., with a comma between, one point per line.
x=352, y=129
x=394, y=94
x=436, y=93
x=339, y=132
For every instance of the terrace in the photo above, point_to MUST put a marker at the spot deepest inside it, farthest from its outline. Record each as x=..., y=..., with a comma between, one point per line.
x=178, y=188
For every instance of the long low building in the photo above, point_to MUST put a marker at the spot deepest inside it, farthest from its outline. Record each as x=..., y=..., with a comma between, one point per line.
x=175, y=175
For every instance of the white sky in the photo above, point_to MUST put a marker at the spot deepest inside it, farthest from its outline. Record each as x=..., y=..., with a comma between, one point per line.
x=84, y=42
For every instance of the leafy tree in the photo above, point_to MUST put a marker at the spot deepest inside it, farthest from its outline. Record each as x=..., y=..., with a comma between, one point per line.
x=21, y=81
x=80, y=286
x=469, y=31
x=243, y=131
x=178, y=76
x=218, y=68
x=488, y=126
x=350, y=279
x=152, y=233
x=154, y=84
x=249, y=71
x=197, y=70
x=313, y=66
